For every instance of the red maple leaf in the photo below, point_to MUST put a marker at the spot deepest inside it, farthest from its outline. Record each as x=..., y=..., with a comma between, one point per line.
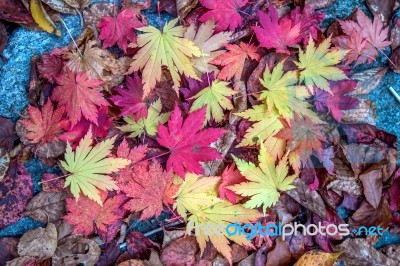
x=338, y=100
x=362, y=39
x=119, y=30
x=78, y=93
x=85, y=214
x=224, y=12
x=303, y=137
x=52, y=64
x=230, y=176
x=309, y=21
x=44, y=125
x=146, y=189
x=131, y=99
x=187, y=144
x=277, y=33
x=77, y=132
x=233, y=61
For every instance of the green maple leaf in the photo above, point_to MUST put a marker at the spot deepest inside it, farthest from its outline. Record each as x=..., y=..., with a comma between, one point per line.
x=215, y=98
x=149, y=124
x=89, y=167
x=265, y=180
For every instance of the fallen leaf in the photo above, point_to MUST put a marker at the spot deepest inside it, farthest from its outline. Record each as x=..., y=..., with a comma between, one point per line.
x=60, y=6
x=138, y=246
x=41, y=17
x=7, y=133
x=372, y=184
x=75, y=250
x=46, y=207
x=230, y=176
x=317, y=258
x=180, y=252
x=15, y=11
x=4, y=163
x=3, y=38
x=280, y=255
x=78, y=3
x=8, y=249
x=367, y=215
x=40, y=242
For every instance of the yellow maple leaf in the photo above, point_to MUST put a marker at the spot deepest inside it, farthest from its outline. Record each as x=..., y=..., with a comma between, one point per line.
x=317, y=65
x=198, y=196
x=265, y=180
x=283, y=93
x=149, y=124
x=89, y=167
x=164, y=48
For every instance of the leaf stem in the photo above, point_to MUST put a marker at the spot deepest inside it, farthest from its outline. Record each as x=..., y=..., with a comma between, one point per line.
x=70, y=35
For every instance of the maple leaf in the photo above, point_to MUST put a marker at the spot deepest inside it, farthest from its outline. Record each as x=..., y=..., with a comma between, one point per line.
x=214, y=97
x=188, y=145
x=44, y=125
x=119, y=30
x=131, y=99
x=51, y=64
x=85, y=215
x=147, y=124
x=78, y=93
x=146, y=188
x=164, y=48
x=265, y=180
x=362, y=38
x=194, y=87
x=233, y=61
x=224, y=12
x=275, y=33
x=89, y=168
x=303, y=137
x=317, y=65
x=266, y=126
x=197, y=195
x=230, y=176
x=77, y=132
x=309, y=21
x=210, y=45
x=283, y=94
x=338, y=100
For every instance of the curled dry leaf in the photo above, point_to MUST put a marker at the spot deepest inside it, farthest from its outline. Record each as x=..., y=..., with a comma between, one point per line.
x=75, y=250
x=46, y=206
x=40, y=242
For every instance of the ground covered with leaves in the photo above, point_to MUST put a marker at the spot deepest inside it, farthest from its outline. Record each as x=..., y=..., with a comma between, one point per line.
x=231, y=112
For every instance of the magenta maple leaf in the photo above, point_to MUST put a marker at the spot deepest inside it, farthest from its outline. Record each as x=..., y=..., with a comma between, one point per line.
x=77, y=132
x=194, y=87
x=52, y=64
x=277, y=33
x=131, y=99
x=308, y=20
x=224, y=12
x=188, y=145
x=119, y=30
x=338, y=100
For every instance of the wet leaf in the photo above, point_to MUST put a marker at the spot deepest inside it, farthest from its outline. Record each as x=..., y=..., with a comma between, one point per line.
x=46, y=206
x=40, y=242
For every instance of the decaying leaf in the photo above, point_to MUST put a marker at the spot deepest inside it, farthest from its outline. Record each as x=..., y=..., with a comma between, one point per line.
x=75, y=250
x=40, y=242
x=46, y=206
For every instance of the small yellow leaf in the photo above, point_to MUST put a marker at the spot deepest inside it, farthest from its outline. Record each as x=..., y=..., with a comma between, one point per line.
x=317, y=258
x=42, y=18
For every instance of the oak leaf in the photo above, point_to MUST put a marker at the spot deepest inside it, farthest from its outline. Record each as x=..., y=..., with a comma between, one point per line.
x=266, y=180
x=188, y=145
x=89, y=168
x=119, y=30
x=224, y=12
x=233, y=61
x=79, y=94
x=164, y=48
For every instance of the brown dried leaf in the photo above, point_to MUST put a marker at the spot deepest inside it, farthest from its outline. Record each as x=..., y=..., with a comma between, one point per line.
x=170, y=236
x=350, y=186
x=317, y=258
x=364, y=112
x=318, y=4
x=46, y=206
x=367, y=80
x=367, y=215
x=180, y=252
x=395, y=33
x=383, y=9
x=307, y=198
x=40, y=242
x=60, y=6
x=372, y=184
x=22, y=261
x=185, y=6
x=4, y=163
x=280, y=255
x=358, y=252
x=78, y=3
x=75, y=250
x=8, y=249
x=96, y=12
x=3, y=38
